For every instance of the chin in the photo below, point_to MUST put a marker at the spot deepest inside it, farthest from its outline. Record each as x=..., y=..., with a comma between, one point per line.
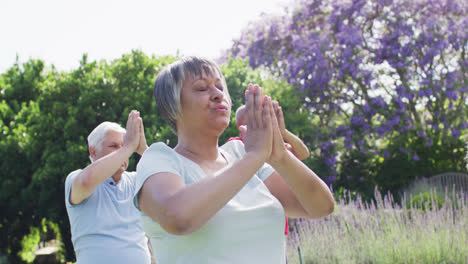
x=223, y=125
x=219, y=128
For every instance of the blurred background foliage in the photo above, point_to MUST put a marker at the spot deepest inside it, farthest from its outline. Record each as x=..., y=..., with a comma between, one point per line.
x=324, y=61
x=46, y=116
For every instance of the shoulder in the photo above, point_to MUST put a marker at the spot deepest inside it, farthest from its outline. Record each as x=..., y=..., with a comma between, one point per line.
x=158, y=154
x=234, y=147
x=72, y=175
x=160, y=150
x=158, y=158
x=68, y=187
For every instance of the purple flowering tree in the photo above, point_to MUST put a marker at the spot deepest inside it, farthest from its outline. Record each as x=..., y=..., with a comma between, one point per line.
x=387, y=78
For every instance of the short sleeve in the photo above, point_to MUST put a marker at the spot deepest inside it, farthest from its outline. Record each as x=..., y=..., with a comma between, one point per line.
x=236, y=149
x=157, y=158
x=68, y=185
x=265, y=171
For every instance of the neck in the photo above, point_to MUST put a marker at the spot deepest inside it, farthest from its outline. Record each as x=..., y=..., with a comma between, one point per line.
x=117, y=176
x=197, y=146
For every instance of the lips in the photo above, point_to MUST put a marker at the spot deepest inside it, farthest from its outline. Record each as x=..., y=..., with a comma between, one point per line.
x=221, y=108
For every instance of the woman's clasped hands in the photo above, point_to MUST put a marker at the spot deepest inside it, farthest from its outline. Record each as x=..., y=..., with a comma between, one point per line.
x=262, y=136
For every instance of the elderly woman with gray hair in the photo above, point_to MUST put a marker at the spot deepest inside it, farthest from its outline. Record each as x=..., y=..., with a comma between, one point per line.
x=202, y=203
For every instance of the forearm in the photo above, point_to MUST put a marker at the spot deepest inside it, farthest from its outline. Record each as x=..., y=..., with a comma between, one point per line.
x=298, y=147
x=193, y=205
x=311, y=192
x=100, y=170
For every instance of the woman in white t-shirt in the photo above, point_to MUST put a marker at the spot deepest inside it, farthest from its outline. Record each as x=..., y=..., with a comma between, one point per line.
x=204, y=204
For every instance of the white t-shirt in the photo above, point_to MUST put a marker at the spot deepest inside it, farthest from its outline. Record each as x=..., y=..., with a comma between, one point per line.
x=105, y=227
x=248, y=229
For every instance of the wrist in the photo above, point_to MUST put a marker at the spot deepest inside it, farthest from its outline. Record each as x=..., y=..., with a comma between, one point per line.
x=256, y=158
x=280, y=160
x=141, y=150
x=128, y=150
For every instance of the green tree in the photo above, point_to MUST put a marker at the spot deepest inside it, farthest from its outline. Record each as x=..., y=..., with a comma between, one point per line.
x=46, y=116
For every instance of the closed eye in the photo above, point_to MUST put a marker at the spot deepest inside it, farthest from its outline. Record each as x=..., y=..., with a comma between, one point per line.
x=220, y=87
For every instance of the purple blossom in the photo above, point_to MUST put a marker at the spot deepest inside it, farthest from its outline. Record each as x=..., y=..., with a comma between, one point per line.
x=455, y=133
x=422, y=134
x=330, y=161
x=357, y=120
x=331, y=52
x=429, y=143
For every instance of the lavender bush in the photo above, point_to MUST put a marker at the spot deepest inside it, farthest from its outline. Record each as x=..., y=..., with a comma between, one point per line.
x=387, y=78
x=384, y=232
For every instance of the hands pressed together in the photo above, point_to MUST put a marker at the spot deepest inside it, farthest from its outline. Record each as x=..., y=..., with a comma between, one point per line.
x=135, y=139
x=265, y=126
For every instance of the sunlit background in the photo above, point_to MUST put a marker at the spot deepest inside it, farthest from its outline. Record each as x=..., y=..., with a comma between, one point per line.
x=60, y=32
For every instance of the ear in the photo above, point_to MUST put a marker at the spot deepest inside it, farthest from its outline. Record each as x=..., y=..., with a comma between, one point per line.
x=92, y=152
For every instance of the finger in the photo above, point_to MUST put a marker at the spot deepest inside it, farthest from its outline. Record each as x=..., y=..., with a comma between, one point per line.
x=279, y=115
x=267, y=112
x=275, y=107
x=141, y=124
x=274, y=121
x=249, y=105
x=242, y=131
x=129, y=119
x=259, y=98
x=281, y=118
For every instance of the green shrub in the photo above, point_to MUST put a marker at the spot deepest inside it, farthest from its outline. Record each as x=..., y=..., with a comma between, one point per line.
x=427, y=201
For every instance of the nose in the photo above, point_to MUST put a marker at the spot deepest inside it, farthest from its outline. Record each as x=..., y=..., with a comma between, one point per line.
x=216, y=94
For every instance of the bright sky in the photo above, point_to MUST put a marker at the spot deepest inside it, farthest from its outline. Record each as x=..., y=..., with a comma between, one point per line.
x=61, y=31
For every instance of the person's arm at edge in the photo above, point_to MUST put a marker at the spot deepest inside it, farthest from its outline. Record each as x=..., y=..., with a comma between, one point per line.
x=299, y=189
x=88, y=179
x=298, y=148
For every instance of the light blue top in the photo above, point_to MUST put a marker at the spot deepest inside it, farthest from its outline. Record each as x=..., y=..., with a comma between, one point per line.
x=248, y=229
x=106, y=227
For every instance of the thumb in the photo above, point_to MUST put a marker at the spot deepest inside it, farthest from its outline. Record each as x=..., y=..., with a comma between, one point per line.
x=242, y=131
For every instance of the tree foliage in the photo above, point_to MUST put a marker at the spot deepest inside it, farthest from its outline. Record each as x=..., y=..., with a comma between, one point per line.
x=45, y=118
x=387, y=78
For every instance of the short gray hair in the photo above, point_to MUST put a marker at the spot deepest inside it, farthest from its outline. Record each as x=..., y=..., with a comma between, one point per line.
x=96, y=136
x=170, y=80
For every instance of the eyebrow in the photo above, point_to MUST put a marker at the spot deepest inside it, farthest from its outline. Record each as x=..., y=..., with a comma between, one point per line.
x=201, y=78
